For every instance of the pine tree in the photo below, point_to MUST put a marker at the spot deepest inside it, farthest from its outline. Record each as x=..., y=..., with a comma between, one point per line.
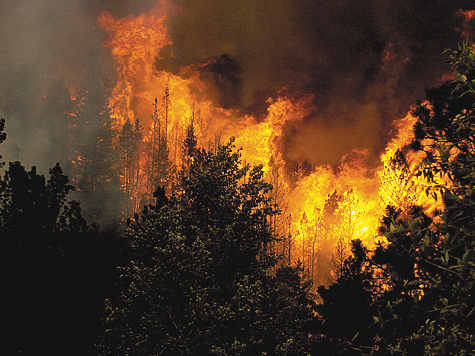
x=50, y=275
x=419, y=286
x=190, y=143
x=346, y=217
x=198, y=281
x=278, y=194
x=158, y=163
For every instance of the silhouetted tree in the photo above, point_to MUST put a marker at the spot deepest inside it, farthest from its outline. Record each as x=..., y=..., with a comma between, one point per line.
x=52, y=273
x=347, y=307
x=190, y=144
x=397, y=185
x=419, y=286
x=198, y=283
x=323, y=255
x=96, y=174
x=159, y=166
x=346, y=216
x=278, y=194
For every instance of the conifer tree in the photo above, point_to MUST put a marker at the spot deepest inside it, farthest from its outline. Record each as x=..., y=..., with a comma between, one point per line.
x=50, y=275
x=420, y=285
x=158, y=169
x=197, y=282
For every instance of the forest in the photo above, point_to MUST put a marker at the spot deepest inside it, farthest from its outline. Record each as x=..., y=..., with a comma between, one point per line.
x=195, y=260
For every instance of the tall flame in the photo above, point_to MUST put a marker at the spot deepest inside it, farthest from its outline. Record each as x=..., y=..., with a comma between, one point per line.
x=400, y=186
x=324, y=209
x=134, y=42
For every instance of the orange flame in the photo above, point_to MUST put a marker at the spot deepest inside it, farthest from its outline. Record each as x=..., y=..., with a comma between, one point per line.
x=399, y=186
x=361, y=194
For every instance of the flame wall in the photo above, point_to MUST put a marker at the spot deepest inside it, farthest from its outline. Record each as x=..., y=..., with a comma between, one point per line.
x=360, y=59
x=280, y=137
x=299, y=83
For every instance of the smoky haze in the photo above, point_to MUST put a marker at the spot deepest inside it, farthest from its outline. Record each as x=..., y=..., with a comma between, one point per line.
x=48, y=50
x=364, y=61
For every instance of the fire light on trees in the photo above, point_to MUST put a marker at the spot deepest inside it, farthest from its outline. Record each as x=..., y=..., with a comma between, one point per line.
x=329, y=205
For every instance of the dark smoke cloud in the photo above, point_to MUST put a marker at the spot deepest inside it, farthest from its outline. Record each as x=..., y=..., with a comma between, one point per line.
x=365, y=61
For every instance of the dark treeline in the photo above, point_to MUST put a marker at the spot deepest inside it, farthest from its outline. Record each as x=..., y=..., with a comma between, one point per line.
x=194, y=273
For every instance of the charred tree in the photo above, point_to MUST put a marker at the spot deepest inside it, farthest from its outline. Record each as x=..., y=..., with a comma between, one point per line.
x=344, y=228
x=130, y=139
x=278, y=194
x=190, y=143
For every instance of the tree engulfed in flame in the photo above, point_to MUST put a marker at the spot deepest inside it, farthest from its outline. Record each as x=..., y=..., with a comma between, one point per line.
x=323, y=208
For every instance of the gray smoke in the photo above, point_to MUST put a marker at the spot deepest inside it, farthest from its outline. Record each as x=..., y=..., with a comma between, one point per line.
x=365, y=62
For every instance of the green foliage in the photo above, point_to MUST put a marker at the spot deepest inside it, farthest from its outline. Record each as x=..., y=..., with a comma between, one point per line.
x=429, y=262
x=420, y=287
x=231, y=206
x=197, y=282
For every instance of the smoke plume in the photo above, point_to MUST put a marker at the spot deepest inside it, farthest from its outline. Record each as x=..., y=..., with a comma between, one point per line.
x=365, y=62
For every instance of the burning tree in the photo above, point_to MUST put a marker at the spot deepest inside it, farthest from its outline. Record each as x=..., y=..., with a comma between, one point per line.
x=419, y=286
x=398, y=187
x=158, y=163
x=347, y=216
x=130, y=139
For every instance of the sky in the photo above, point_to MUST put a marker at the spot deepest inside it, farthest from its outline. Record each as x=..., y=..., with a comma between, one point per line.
x=364, y=61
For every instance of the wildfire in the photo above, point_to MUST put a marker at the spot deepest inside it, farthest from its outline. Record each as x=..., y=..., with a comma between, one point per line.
x=400, y=186
x=322, y=210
